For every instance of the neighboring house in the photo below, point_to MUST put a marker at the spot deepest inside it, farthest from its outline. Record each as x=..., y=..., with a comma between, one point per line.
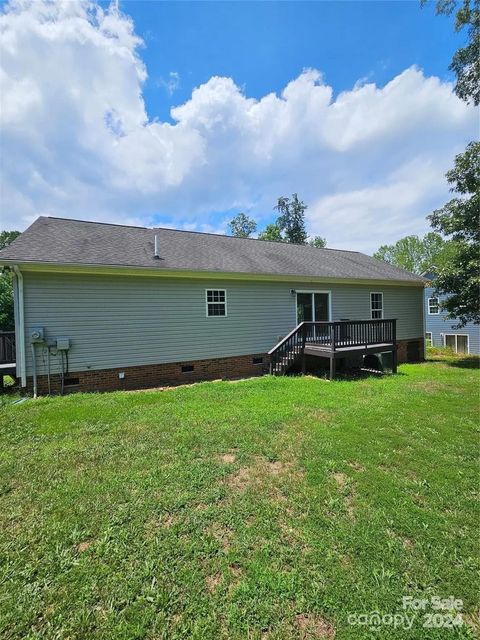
x=103, y=306
x=442, y=331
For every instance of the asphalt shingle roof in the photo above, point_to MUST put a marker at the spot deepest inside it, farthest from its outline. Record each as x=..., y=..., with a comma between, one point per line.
x=75, y=242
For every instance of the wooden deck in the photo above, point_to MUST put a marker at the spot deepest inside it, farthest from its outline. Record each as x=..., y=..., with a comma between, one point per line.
x=313, y=349
x=334, y=340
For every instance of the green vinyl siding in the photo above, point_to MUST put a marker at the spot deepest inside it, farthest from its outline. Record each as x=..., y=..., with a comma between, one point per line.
x=121, y=321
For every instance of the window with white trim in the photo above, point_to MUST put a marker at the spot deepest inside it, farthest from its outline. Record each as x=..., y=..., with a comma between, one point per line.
x=216, y=302
x=428, y=339
x=433, y=307
x=376, y=305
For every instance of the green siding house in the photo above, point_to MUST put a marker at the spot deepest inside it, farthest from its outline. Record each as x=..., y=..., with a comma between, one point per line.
x=101, y=306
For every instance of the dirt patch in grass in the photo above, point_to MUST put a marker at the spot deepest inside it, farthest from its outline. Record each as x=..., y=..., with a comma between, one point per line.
x=239, y=481
x=356, y=466
x=420, y=501
x=430, y=386
x=228, y=458
x=277, y=467
x=473, y=621
x=340, y=478
x=213, y=582
x=222, y=535
x=314, y=626
x=406, y=542
x=343, y=485
x=83, y=546
x=168, y=521
x=347, y=561
x=263, y=472
x=316, y=413
x=165, y=521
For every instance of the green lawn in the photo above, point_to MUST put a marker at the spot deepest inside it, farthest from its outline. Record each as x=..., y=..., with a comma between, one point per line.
x=268, y=508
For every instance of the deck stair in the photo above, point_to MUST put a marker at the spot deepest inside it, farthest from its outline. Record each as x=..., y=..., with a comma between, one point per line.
x=333, y=340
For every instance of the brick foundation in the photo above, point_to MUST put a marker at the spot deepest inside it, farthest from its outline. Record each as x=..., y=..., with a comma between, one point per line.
x=171, y=374
x=155, y=375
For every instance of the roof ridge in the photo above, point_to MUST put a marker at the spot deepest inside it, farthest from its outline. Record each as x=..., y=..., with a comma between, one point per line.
x=107, y=224
x=205, y=233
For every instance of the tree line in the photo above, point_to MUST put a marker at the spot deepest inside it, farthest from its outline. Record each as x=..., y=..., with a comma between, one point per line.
x=289, y=226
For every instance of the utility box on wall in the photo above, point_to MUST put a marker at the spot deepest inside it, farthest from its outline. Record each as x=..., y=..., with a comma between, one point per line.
x=63, y=344
x=37, y=334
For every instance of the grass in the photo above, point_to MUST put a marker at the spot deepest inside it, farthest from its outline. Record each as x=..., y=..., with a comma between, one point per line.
x=268, y=508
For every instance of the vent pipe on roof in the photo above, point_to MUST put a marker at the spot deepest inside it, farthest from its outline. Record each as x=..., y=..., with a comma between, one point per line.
x=156, y=252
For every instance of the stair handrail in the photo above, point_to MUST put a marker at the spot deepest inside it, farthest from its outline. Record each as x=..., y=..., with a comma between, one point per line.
x=285, y=339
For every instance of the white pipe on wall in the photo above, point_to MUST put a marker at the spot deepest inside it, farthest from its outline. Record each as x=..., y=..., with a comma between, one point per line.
x=21, y=326
x=34, y=370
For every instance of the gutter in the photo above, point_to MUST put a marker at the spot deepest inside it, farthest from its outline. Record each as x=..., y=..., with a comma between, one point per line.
x=112, y=269
x=21, y=324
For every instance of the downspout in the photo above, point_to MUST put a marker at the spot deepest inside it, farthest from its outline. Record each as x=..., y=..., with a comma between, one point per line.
x=424, y=318
x=21, y=325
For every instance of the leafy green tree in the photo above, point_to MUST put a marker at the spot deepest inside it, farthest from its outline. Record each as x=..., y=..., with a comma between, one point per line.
x=289, y=227
x=7, y=322
x=272, y=232
x=459, y=219
x=242, y=226
x=7, y=237
x=417, y=255
x=291, y=220
x=466, y=60
x=318, y=242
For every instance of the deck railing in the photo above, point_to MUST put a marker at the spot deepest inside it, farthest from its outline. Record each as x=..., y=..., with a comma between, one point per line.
x=7, y=347
x=331, y=336
x=351, y=333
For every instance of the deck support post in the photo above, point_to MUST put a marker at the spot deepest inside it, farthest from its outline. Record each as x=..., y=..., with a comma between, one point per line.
x=304, y=339
x=394, y=360
x=332, y=368
x=394, y=351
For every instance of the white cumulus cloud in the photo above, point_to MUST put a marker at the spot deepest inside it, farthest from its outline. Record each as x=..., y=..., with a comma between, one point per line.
x=77, y=141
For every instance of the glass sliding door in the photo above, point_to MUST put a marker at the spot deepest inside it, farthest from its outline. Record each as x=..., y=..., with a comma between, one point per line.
x=304, y=307
x=462, y=344
x=459, y=343
x=322, y=307
x=313, y=306
x=450, y=342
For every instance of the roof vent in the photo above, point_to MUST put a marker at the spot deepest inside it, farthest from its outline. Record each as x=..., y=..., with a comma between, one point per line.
x=156, y=253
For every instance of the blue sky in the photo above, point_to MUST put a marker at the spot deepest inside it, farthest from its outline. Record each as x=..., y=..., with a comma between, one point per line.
x=263, y=45
x=183, y=114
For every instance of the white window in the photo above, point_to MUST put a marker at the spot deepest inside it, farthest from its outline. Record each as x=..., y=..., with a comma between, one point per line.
x=457, y=342
x=428, y=339
x=376, y=305
x=216, y=302
x=433, y=307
